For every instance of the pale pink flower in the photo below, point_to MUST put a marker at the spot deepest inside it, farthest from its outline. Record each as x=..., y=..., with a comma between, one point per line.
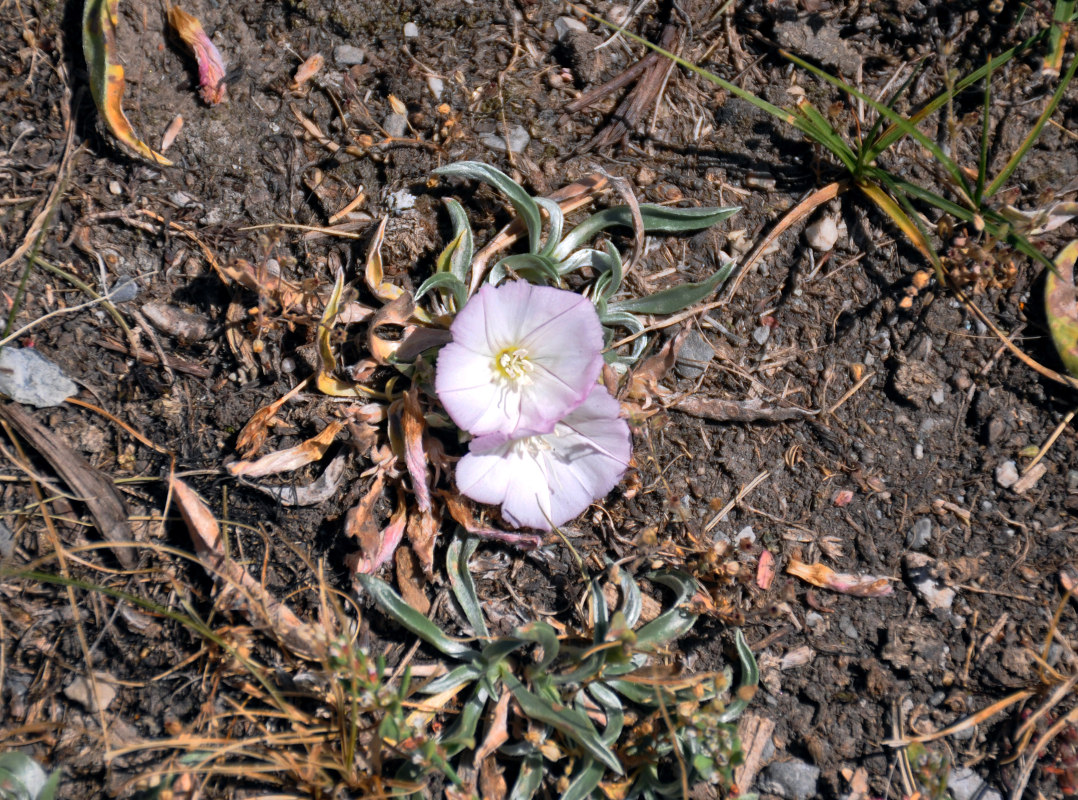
x=522, y=357
x=547, y=479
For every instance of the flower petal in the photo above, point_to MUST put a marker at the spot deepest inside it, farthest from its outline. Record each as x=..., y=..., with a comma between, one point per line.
x=558, y=338
x=548, y=479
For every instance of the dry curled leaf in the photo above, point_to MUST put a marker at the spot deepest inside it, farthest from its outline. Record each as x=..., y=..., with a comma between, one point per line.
x=410, y=580
x=826, y=578
x=461, y=511
x=290, y=458
x=413, y=426
x=643, y=382
x=376, y=551
x=321, y=489
x=107, y=83
x=719, y=410
x=211, y=67
x=238, y=588
x=422, y=533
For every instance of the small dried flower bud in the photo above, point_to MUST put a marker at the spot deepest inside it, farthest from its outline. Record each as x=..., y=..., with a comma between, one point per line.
x=211, y=67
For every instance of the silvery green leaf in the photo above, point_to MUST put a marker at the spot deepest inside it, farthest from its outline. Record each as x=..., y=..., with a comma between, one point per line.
x=615, y=713
x=393, y=604
x=448, y=281
x=750, y=679
x=546, y=637
x=584, y=780
x=530, y=777
x=565, y=719
x=556, y=221
x=656, y=219
x=460, y=261
x=674, y=622
x=21, y=778
x=633, y=603
x=522, y=202
x=459, y=551
x=462, y=735
x=676, y=298
x=601, y=624
x=530, y=266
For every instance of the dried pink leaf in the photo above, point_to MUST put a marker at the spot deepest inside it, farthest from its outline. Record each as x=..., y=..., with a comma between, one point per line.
x=211, y=67
x=826, y=578
x=307, y=70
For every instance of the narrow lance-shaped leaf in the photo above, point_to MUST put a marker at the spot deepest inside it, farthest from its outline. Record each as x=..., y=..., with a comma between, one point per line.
x=392, y=603
x=460, y=579
x=656, y=219
x=99, y=38
x=522, y=202
x=676, y=298
x=750, y=680
x=565, y=719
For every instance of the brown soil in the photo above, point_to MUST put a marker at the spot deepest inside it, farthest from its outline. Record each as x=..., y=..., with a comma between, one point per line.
x=915, y=404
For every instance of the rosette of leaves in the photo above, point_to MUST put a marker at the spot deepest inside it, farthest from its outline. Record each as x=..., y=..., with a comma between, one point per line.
x=610, y=674
x=551, y=259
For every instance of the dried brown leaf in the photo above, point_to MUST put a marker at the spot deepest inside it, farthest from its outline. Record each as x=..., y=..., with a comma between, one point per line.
x=307, y=70
x=413, y=426
x=290, y=458
x=238, y=588
x=359, y=522
x=410, y=580
x=371, y=560
x=734, y=410
x=318, y=491
x=422, y=535
x=461, y=511
x=643, y=383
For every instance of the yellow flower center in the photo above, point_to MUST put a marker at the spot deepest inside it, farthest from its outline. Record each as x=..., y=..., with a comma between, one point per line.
x=512, y=365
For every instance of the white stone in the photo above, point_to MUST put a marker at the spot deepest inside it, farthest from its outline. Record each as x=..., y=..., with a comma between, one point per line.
x=1007, y=474
x=436, y=86
x=822, y=234
x=411, y=30
x=28, y=377
x=566, y=26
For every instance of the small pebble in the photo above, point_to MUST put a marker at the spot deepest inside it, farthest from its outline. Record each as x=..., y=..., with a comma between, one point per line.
x=28, y=377
x=920, y=534
x=761, y=334
x=566, y=26
x=695, y=354
x=81, y=691
x=822, y=234
x=918, y=451
x=348, y=55
x=396, y=125
x=938, y=396
x=1007, y=474
x=1072, y=480
x=495, y=140
x=115, y=187
x=965, y=784
x=746, y=533
x=124, y=290
x=411, y=30
x=436, y=86
x=7, y=540
x=793, y=780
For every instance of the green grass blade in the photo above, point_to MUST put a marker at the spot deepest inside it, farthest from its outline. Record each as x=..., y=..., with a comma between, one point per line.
x=1034, y=133
x=986, y=120
x=897, y=119
x=523, y=203
x=393, y=604
x=827, y=136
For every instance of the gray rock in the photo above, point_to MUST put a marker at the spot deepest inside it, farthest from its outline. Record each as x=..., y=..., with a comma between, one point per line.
x=348, y=55
x=1072, y=480
x=1007, y=474
x=920, y=534
x=7, y=541
x=746, y=533
x=396, y=125
x=923, y=575
x=695, y=354
x=794, y=780
x=565, y=26
x=28, y=377
x=761, y=334
x=411, y=30
x=965, y=784
x=81, y=691
x=124, y=290
x=495, y=140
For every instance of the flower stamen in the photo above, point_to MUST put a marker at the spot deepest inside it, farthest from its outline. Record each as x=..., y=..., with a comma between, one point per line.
x=512, y=365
